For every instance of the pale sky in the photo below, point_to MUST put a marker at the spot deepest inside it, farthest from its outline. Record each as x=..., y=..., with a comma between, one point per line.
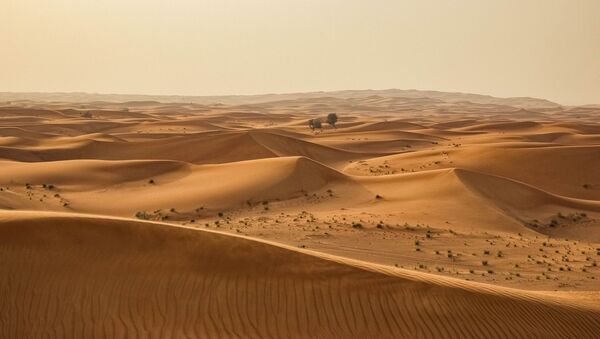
x=541, y=48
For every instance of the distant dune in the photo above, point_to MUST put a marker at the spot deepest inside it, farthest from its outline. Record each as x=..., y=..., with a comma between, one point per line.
x=137, y=99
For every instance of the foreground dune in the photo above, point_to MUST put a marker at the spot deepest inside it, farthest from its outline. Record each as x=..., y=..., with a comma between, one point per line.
x=71, y=276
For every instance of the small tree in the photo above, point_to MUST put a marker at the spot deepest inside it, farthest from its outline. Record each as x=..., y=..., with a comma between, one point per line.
x=332, y=118
x=315, y=124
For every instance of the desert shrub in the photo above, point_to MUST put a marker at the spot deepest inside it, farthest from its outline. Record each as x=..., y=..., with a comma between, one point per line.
x=332, y=118
x=142, y=215
x=315, y=124
x=484, y=262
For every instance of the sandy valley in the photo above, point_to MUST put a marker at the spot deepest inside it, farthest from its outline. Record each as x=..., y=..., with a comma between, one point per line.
x=419, y=214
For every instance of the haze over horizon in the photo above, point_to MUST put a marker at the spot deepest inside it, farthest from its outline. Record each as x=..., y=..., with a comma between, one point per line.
x=544, y=49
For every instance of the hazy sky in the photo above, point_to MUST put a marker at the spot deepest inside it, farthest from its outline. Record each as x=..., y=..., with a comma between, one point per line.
x=542, y=48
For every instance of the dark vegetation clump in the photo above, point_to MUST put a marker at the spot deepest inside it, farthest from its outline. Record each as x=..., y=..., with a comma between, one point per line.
x=315, y=124
x=142, y=215
x=332, y=119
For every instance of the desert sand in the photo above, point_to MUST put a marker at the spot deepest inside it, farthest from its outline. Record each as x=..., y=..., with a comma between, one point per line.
x=419, y=214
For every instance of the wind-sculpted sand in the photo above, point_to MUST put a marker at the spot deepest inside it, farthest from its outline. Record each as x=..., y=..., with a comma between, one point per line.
x=72, y=276
x=420, y=214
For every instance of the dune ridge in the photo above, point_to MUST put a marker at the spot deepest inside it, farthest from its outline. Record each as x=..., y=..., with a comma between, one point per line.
x=212, y=284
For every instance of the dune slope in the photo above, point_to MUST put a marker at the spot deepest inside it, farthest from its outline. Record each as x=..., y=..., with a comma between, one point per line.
x=69, y=276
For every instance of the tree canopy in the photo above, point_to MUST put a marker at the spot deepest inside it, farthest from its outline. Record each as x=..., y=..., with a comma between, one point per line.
x=332, y=118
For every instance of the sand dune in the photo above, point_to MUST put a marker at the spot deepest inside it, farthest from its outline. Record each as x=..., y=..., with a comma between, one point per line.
x=385, y=125
x=91, y=185
x=503, y=126
x=420, y=214
x=244, y=99
x=526, y=203
x=155, y=280
x=448, y=197
x=503, y=204
x=86, y=174
x=540, y=165
x=207, y=148
x=8, y=112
